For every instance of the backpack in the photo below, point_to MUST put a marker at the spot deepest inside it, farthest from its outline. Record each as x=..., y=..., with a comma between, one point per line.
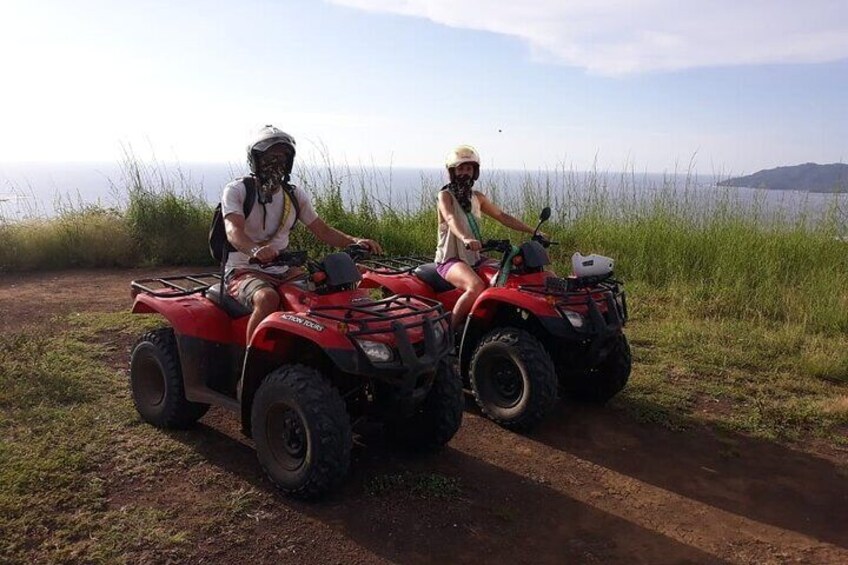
x=219, y=245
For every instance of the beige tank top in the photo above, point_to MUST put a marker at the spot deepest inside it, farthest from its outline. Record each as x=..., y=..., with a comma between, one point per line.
x=449, y=245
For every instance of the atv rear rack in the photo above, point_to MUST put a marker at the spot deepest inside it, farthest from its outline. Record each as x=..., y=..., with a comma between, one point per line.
x=175, y=286
x=395, y=265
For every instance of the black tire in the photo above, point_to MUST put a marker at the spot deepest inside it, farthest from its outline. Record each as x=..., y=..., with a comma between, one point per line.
x=438, y=418
x=513, y=378
x=302, y=431
x=156, y=382
x=600, y=383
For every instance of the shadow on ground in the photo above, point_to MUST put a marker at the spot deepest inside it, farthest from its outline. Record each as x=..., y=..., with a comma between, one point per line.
x=761, y=480
x=498, y=516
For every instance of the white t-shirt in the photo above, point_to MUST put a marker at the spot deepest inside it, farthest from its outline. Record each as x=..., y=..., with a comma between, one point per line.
x=275, y=230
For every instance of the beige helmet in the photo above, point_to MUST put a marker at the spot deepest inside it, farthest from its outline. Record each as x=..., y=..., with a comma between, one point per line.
x=463, y=154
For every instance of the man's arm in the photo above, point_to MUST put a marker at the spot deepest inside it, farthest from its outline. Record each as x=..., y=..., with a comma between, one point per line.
x=337, y=238
x=234, y=225
x=492, y=210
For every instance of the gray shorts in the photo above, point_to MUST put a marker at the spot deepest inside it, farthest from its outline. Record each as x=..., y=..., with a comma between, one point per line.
x=242, y=285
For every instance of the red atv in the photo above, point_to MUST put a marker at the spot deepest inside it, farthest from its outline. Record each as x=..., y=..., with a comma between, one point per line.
x=330, y=357
x=529, y=334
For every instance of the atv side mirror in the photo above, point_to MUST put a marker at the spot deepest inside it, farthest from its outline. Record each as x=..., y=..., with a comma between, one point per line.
x=543, y=217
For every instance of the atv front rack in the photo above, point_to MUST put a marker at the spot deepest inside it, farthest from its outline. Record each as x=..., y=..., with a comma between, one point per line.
x=366, y=314
x=387, y=316
x=175, y=286
x=570, y=294
x=573, y=287
x=395, y=265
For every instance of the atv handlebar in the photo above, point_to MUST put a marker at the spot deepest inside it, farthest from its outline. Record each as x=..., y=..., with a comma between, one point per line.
x=541, y=240
x=504, y=245
x=358, y=252
x=284, y=258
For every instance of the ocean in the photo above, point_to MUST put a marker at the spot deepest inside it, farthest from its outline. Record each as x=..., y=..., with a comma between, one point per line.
x=29, y=190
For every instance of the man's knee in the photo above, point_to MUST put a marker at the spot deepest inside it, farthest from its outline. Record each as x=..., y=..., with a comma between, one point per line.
x=266, y=300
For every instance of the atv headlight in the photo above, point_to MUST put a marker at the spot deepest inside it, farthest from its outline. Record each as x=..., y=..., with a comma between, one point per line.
x=376, y=351
x=576, y=319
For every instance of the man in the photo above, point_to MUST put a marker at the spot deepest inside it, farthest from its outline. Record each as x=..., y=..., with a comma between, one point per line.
x=265, y=231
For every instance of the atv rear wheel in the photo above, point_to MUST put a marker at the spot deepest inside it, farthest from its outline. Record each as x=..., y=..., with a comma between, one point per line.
x=156, y=382
x=438, y=418
x=513, y=378
x=606, y=379
x=302, y=431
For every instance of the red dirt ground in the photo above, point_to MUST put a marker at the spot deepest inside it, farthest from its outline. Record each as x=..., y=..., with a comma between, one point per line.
x=590, y=486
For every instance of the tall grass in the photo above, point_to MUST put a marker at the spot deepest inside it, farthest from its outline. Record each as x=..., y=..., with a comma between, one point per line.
x=717, y=253
x=167, y=216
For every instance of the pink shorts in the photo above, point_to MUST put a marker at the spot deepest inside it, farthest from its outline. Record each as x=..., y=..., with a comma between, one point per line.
x=443, y=268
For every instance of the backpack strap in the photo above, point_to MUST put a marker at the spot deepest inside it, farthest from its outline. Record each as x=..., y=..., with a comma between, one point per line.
x=289, y=190
x=249, y=194
x=475, y=227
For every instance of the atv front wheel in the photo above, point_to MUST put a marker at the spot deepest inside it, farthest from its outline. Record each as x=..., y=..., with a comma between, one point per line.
x=156, y=381
x=601, y=382
x=435, y=422
x=513, y=378
x=302, y=431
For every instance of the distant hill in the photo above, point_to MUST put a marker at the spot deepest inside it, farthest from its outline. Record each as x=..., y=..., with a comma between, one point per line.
x=809, y=176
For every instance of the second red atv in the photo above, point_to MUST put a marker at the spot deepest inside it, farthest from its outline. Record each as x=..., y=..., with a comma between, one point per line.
x=331, y=357
x=530, y=334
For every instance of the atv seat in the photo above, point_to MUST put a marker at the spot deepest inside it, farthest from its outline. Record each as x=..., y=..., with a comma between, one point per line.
x=227, y=303
x=427, y=273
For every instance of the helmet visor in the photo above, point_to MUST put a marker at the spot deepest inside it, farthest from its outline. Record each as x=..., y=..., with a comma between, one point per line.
x=266, y=144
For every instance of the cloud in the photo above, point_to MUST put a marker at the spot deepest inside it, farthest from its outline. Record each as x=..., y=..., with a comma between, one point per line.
x=614, y=37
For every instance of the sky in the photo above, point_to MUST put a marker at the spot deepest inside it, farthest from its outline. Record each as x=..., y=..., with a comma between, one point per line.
x=651, y=85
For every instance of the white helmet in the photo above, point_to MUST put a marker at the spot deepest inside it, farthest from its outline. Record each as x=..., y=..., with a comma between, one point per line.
x=591, y=265
x=463, y=154
x=264, y=140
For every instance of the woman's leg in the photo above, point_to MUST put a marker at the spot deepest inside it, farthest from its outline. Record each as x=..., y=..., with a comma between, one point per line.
x=464, y=278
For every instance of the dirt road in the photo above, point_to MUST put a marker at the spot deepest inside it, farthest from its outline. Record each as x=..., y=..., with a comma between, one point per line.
x=591, y=485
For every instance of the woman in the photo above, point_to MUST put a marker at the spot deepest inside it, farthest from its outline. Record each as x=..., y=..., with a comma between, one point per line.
x=460, y=239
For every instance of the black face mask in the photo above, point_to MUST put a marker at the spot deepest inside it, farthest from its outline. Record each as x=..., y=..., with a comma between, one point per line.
x=272, y=176
x=461, y=189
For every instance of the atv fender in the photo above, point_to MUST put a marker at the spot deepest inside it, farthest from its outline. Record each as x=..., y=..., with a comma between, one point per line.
x=397, y=284
x=286, y=338
x=191, y=316
x=492, y=301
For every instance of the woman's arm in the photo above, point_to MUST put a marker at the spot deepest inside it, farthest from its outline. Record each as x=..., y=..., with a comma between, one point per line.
x=491, y=209
x=446, y=210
